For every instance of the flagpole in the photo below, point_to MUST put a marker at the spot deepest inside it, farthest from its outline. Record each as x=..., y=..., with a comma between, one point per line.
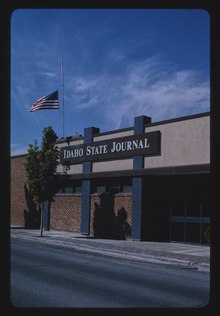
x=62, y=86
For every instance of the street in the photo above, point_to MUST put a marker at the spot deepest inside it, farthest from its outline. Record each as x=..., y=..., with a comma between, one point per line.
x=49, y=276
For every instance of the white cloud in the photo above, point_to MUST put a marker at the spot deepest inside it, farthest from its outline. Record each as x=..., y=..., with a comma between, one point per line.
x=50, y=74
x=148, y=88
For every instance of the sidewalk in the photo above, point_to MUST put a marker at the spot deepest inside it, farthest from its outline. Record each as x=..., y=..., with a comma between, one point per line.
x=178, y=254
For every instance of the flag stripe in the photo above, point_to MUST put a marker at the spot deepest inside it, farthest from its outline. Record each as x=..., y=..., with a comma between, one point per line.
x=44, y=108
x=49, y=102
x=46, y=103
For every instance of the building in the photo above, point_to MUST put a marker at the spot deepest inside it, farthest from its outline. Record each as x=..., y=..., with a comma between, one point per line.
x=146, y=182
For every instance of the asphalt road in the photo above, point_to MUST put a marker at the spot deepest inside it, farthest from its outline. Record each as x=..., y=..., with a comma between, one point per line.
x=47, y=276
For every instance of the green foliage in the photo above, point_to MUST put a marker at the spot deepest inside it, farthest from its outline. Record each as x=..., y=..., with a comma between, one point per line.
x=41, y=165
x=48, y=139
x=33, y=170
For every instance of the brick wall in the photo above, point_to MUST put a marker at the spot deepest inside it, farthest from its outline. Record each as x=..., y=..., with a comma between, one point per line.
x=18, y=201
x=121, y=200
x=65, y=212
x=124, y=200
x=95, y=198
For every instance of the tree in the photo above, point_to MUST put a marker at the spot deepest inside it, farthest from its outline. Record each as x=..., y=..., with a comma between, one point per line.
x=41, y=168
x=49, y=163
x=33, y=186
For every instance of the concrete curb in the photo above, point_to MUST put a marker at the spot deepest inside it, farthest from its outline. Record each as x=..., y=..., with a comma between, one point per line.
x=123, y=254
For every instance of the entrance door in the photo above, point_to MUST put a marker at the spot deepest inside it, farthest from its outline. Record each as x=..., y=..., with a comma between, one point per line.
x=189, y=221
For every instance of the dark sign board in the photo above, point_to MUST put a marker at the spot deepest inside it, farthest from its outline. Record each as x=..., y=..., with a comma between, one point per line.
x=146, y=144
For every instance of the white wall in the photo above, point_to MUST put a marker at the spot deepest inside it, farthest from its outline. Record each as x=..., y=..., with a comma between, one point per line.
x=185, y=142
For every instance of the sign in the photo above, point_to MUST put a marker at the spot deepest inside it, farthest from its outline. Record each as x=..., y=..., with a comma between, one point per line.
x=146, y=144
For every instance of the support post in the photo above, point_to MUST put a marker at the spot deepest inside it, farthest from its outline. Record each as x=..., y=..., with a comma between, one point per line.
x=86, y=184
x=137, y=182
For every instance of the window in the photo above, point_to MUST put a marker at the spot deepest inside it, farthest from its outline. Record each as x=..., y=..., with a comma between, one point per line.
x=112, y=186
x=126, y=189
x=78, y=189
x=101, y=189
x=178, y=208
x=68, y=189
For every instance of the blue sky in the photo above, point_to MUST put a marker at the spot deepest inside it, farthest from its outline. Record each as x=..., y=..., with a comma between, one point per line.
x=118, y=64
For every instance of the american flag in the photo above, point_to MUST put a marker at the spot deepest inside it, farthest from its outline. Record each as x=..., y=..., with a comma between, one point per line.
x=49, y=102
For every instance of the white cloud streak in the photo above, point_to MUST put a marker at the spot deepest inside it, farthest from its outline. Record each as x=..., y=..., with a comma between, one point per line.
x=148, y=88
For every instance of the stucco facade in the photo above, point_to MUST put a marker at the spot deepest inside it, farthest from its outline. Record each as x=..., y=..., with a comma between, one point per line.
x=184, y=142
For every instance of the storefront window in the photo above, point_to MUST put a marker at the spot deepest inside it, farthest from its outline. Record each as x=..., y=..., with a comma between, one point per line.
x=78, y=189
x=177, y=232
x=100, y=189
x=205, y=208
x=68, y=189
x=126, y=189
x=112, y=186
x=178, y=208
x=193, y=208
